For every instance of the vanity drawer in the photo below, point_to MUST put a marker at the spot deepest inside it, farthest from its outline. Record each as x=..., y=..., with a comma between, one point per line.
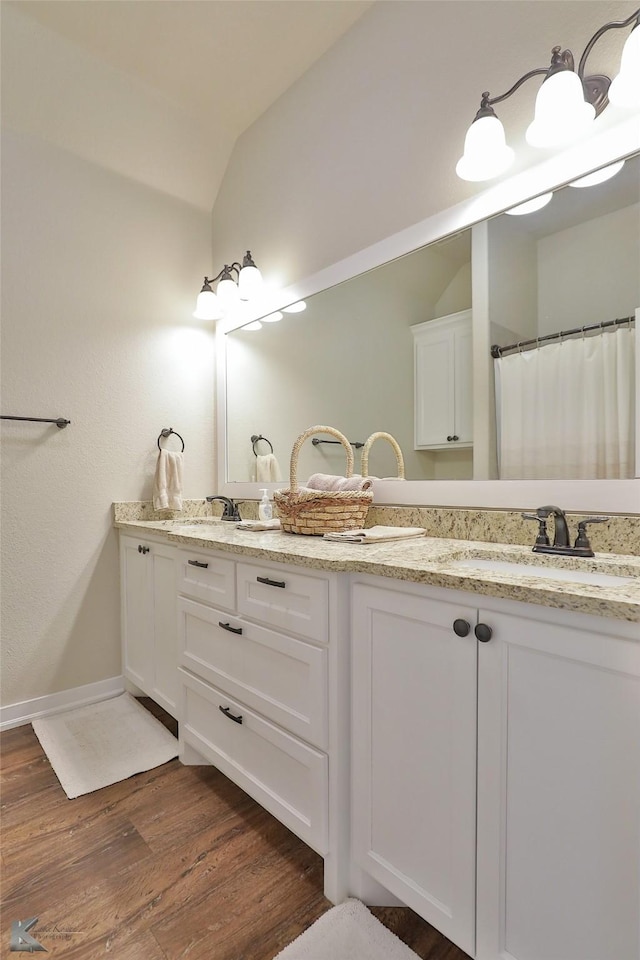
x=204, y=576
x=289, y=601
x=284, y=775
x=283, y=678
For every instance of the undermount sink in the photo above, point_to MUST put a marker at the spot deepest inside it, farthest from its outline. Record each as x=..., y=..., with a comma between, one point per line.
x=543, y=571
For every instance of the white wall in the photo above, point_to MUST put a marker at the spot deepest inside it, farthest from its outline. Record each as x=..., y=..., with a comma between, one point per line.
x=366, y=143
x=590, y=272
x=97, y=293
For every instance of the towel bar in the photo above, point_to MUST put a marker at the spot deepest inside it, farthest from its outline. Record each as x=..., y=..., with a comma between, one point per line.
x=354, y=443
x=59, y=421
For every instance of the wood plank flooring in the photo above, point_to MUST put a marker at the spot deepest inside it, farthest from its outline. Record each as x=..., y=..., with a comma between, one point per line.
x=173, y=864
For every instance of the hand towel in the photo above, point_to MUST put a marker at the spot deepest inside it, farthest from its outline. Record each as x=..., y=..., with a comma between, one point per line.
x=376, y=534
x=326, y=481
x=259, y=524
x=267, y=468
x=167, y=485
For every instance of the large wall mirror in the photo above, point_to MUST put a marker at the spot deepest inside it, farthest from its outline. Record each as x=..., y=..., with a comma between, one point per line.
x=348, y=359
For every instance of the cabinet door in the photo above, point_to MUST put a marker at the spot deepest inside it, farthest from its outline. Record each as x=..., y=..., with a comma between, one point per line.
x=463, y=384
x=136, y=603
x=434, y=389
x=149, y=619
x=558, y=793
x=162, y=570
x=443, y=379
x=414, y=749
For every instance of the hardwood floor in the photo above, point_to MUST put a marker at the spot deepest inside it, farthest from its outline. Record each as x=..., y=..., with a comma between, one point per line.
x=174, y=863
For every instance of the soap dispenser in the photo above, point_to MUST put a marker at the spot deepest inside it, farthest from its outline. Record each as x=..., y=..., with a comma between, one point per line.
x=265, y=510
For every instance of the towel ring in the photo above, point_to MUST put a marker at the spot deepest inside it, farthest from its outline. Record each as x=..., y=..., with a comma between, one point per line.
x=254, y=439
x=167, y=433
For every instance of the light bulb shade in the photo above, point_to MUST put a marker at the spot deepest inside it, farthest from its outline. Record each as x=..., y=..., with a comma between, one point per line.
x=530, y=206
x=254, y=325
x=227, y=292
x=249, y=282
x=561, y=113
x=599, y=176
x=486, y=154
x=296, y=307
x=272, y=317
x=625, y=88
x=207, y=306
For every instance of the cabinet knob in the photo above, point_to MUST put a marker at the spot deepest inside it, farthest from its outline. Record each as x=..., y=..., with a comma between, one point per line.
x=456, y=437
x=142, y=549
x=461, y=628
x=483, y=632
x=449, y=439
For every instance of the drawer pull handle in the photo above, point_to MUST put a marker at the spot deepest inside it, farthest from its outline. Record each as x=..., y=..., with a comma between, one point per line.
x=227, y=713
x=198, y=563
x=227, y=626
x=271, y=583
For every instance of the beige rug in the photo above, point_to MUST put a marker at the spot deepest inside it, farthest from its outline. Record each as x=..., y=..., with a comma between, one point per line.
x=94, y=746
x=347, y=932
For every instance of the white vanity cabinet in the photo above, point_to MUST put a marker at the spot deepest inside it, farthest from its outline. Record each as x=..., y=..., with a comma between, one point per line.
x=148, y=618
x=443, y=382
x=254, y=645
x=555, y=859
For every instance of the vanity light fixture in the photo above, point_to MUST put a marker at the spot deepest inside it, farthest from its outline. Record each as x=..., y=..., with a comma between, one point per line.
x=599, y=176
x=530, y=206
x=245, y=285
x=296, y=307
x=566, y=105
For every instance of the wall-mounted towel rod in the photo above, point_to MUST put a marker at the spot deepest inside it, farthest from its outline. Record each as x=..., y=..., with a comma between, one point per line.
x=354, y=443
x=258, y=436
x=166, y=432
x=497, y=351
x=59, y=421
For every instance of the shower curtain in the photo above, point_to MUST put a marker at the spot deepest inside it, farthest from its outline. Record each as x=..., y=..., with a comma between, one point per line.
x=567, y=409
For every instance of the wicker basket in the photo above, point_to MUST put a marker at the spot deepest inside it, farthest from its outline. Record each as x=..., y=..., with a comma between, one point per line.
x=364, y=468
x=314, y=512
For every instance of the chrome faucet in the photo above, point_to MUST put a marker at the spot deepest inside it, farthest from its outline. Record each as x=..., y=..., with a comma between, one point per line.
x=561, y=545
x=230, y=510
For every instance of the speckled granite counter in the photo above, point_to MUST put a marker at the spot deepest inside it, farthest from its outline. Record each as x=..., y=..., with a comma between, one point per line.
x=422, y=560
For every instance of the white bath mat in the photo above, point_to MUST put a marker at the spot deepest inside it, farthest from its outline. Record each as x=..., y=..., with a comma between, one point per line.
x=94, y=746
x=347, y=932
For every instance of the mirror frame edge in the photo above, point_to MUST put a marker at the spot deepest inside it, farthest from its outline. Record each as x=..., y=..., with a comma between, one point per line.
x=619, y=142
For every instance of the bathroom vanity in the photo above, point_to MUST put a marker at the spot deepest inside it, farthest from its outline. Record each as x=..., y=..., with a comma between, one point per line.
x=465, y=739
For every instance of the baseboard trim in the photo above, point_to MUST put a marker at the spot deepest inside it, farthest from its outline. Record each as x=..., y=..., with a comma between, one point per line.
x=18, y=714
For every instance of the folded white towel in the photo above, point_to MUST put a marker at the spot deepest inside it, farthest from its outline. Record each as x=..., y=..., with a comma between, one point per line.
x=376, y=534
x=167, y=484
x=326, y=481
x=259, y=524
x=267, y=468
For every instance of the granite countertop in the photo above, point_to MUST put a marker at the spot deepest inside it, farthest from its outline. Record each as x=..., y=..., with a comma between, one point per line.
x=427, y=560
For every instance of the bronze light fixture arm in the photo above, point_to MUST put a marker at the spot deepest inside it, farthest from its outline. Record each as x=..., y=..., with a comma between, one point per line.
x=596, y=87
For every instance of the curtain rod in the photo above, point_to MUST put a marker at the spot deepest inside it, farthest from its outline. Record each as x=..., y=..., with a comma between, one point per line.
x=497, y=351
